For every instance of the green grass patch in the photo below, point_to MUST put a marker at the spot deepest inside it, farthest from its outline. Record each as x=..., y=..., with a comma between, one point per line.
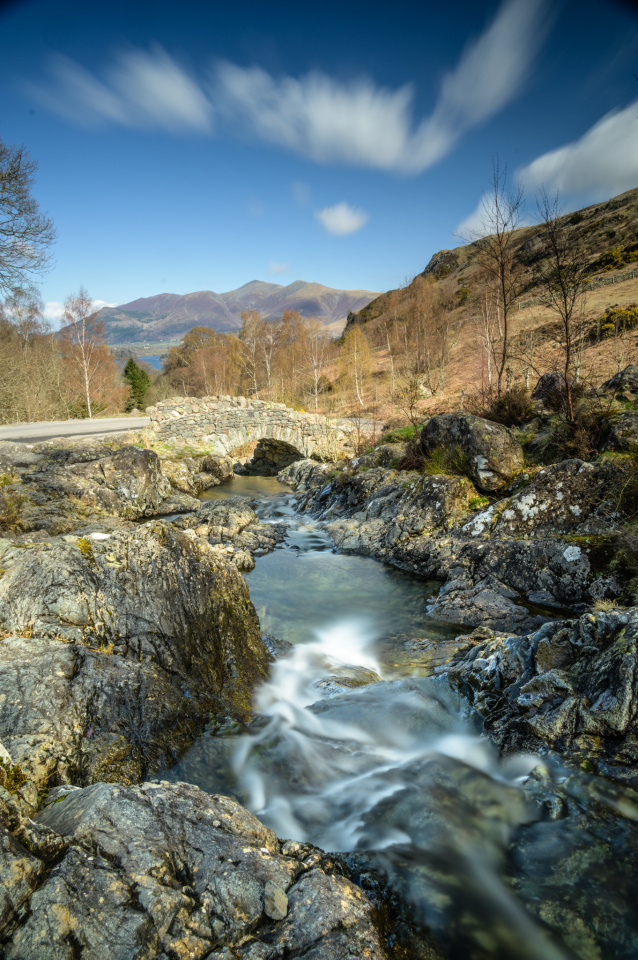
x=446, y=461
x=476, y=502
x=400, y=434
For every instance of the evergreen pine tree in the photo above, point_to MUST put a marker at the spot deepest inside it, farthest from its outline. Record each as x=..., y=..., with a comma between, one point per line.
x=139, y=382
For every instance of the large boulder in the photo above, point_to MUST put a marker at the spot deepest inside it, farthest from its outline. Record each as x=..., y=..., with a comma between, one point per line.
x=623, y=433
x=157, y=870
x=623, y=383
x=128, y=483
x=154, y=594
x=491, y=453
x=560, y=499
x=193, y=476
x=549, y=386
x=570, y=685
x=233, y=530
x=304, y=474
x=87, y=715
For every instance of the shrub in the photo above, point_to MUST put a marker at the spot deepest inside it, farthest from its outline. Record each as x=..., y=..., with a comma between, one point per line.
x=513, y=408
x=413, y=456
x=12, y=777
x=617, y=320
x=11, y=507
x=449, y=461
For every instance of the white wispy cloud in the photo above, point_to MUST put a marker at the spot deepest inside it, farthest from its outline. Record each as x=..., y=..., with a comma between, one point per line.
x=604, y=161
x=600, y=164
x=141, y=88
x=328, y=120
x=53, y=311
x=475, y=223
x=277, y=268
x=341, y=219
x=366, y=125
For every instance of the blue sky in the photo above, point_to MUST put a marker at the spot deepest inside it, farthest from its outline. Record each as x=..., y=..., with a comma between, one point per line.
x=191, y=146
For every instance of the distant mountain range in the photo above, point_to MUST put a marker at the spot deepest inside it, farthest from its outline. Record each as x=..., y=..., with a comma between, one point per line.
x=170, y=315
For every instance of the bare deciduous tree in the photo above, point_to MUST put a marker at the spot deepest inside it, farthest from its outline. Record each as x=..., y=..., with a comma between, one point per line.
x=355, y=360
x=250, y=338
x=26, y=234
x=562, y=275
x=23, y=308
x=495, y=246
x=316, y=349
x=84, y=336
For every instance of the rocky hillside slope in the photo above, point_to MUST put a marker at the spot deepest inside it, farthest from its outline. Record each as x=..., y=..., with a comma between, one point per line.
x=607, y=231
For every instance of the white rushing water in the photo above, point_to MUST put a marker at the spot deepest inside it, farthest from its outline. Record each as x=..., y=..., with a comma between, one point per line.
x=390, y=767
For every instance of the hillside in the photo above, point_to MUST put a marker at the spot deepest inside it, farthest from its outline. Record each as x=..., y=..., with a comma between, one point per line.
x=170, y=315
x=607, y=231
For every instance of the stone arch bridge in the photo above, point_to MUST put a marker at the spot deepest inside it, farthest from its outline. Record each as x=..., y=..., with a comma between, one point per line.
x=227, y=423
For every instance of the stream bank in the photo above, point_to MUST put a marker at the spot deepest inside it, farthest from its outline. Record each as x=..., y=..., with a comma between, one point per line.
x=528, y=856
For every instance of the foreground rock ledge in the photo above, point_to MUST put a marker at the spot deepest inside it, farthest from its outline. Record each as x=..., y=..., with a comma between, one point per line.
x=117, y=651
x=165, y=870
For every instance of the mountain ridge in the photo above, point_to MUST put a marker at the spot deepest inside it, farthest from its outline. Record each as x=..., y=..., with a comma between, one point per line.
x=164, y=316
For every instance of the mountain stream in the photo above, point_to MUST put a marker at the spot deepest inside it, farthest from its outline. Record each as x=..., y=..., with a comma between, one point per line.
x=357, y=751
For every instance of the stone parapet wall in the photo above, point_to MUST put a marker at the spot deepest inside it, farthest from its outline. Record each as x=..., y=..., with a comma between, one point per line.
x=225, y=423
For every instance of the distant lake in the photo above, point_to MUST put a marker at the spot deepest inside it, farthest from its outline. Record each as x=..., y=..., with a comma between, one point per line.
x=155, y=362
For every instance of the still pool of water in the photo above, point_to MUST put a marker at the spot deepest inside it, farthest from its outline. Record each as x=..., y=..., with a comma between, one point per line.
x=300, y=592
x=249, y=488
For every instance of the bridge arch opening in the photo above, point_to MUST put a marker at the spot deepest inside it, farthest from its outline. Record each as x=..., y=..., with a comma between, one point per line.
x=270, y=456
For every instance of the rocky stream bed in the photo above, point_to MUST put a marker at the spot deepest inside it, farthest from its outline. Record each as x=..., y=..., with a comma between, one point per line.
x=465, y=789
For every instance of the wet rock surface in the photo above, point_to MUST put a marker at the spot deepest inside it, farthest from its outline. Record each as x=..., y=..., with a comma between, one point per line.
x=233, y=531
x=129, y=644
x=161, y=870
x=571, y=686
x=512, y=564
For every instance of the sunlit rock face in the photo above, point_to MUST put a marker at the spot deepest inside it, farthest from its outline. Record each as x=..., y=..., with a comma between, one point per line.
x=492, y=454
x=162, y=870
x=130, y=643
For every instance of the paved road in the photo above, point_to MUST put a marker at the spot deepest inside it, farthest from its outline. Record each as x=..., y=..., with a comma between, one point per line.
x=48, y=429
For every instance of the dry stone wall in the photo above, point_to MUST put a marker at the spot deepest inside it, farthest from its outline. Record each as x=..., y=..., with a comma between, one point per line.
x=225, y=423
